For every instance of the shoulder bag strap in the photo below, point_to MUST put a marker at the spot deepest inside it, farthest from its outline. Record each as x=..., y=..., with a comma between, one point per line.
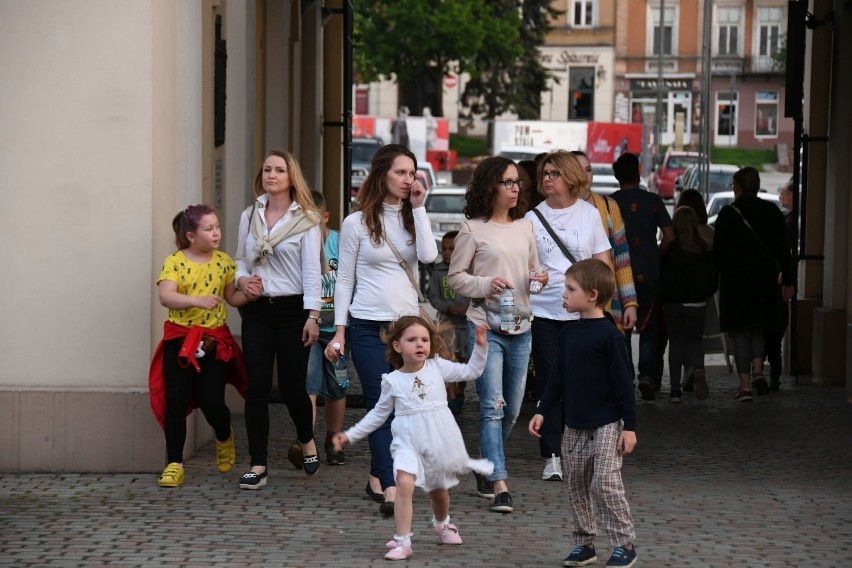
x=559, y=242
x=404, y=266
x=756, y=236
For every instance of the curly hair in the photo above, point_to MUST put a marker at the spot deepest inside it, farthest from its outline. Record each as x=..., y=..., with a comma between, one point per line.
x=373, y=191
x=300, y=191
x=482, y=191
x=570, y=169
x=438, y=338
x=187, y=222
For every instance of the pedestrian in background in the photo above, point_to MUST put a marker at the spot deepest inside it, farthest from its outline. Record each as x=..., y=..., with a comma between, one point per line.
x=755, y=277
x=688, y=278
x=644, y=214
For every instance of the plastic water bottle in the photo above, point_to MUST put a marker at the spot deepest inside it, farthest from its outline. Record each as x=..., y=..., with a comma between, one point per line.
x=507, y=310
x=341, y=371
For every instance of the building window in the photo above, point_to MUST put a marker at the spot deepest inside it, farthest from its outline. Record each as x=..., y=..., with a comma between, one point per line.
x=728, y=20
x=766, y=114
x=581, y=93
x=669, y=38
x=769, y=21
x=582, y=13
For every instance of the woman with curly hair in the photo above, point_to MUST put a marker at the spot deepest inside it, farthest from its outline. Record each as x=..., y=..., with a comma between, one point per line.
x=373, y=289
x=495, y=250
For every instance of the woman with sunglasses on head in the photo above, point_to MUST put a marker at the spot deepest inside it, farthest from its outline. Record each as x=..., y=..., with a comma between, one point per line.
x=495, y=251
x=565, y=216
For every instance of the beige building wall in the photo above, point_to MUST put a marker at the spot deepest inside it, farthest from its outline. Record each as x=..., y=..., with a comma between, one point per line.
x=106, y=135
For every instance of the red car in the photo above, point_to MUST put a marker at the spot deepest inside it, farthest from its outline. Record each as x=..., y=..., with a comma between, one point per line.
x=674, y=162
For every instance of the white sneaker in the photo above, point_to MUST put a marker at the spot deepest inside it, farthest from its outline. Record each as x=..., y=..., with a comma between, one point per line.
x=552, y=469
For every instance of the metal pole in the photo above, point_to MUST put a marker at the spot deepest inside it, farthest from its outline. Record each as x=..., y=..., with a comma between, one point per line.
x=661, y=48
x=706, y=81
x=348, y=18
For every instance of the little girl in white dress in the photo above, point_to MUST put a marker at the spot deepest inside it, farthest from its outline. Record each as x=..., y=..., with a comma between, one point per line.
x=428, y=450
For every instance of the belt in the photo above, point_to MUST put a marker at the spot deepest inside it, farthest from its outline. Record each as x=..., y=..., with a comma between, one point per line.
x=277, y=299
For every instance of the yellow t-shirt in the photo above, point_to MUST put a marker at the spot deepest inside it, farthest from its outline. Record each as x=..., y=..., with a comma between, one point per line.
x=199, y=279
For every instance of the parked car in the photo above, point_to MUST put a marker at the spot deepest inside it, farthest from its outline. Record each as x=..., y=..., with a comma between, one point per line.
x=426, y=175
x=721, y=178
x=363, y=150
x=722, y=198
x=604, y=182
x=673, y=165
x=444, y=206
x=518, y=153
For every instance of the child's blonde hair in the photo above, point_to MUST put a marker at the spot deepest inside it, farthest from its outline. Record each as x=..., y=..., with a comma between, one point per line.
x=593, y=274
x=437, y=338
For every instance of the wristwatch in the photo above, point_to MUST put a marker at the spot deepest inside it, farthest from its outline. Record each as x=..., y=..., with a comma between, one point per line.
x=317, y=318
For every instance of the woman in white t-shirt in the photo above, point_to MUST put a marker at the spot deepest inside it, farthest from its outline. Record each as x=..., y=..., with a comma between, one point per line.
x=577, y=225
x=494, y=251
x=372, y=288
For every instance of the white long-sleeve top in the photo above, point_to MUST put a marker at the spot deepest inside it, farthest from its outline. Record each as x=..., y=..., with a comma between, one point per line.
x=293, y=268
x=371, y=284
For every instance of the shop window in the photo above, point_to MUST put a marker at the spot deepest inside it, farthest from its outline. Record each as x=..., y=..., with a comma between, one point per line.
x=766, y=114
x=581, y=93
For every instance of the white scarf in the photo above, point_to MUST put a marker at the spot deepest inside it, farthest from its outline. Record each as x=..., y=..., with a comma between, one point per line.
x=298, y=223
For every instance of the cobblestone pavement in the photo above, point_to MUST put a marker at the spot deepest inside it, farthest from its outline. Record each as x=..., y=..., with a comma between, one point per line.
x=713, y=484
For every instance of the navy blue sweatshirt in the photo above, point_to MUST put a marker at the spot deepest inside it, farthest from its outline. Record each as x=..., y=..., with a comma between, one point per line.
x=592, y=376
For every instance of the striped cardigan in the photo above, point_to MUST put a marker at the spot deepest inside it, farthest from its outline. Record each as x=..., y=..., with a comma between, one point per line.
x=625, y=293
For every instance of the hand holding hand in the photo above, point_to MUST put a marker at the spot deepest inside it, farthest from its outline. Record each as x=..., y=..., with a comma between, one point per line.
x=252, y=287
x=339, y=440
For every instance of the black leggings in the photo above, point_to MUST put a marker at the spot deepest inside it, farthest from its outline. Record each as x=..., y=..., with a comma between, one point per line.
x=272, y=333
x=180, y=385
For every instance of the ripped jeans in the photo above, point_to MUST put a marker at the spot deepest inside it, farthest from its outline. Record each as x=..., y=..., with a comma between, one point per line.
x=501, y=393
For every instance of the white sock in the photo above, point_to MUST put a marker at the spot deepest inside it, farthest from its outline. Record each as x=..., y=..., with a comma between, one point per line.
x=437, y=523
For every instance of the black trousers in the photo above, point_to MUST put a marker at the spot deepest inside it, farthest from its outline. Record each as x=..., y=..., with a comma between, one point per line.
x=272, y=333
x=180, y=384
x=545, y=345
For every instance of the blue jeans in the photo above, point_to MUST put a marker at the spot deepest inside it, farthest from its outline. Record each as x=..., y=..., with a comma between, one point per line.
x=649, y=340
x=368, y=356
x=501, y=393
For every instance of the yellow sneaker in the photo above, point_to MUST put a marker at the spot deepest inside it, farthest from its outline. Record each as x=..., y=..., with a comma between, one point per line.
x=172, y=476
x=226, y=454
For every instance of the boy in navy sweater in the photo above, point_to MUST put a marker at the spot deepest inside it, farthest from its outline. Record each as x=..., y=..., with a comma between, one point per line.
x=593, y=379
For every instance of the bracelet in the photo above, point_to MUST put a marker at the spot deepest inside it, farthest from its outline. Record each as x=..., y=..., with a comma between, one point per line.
x=316, y=318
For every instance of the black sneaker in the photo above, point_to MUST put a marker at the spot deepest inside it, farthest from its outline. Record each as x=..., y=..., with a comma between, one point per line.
x=760, y=385
x=332, y=457
x=253, y=480
x=646, y=388
x=674, y=396
x=622, y=557
x=581, y=556
x=484, y=488
x=502, y=503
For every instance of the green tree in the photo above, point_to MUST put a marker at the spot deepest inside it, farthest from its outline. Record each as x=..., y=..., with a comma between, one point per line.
x=507, y=73
x=417, y=43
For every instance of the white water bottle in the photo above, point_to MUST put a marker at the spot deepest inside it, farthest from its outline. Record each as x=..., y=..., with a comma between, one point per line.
x=507, y=310
x=341, y=371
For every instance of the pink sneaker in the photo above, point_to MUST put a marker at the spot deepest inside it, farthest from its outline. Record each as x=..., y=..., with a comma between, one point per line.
x=449, y=533
x=398, y=551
